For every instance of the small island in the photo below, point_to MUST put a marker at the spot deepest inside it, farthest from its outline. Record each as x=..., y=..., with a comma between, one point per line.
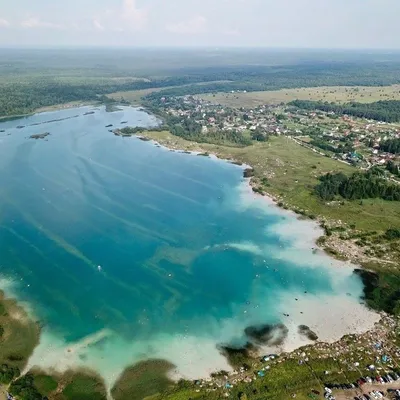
x=39, y=135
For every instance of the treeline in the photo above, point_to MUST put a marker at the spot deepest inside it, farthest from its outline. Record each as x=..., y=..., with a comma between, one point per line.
x=391, y=146
x=381, y=290
x=258, y=78
x=360, y=185
x=387, y=111
x=21, y=96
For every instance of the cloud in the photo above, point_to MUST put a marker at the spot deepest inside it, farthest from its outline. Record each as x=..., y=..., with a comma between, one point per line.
x=97, y=24
x=135, y=15
x=4, y=23
x=33, y=22
x=193, y=26
x=127, y=17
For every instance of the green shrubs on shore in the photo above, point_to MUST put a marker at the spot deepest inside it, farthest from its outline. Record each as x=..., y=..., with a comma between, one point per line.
x=7, y=374
x=360, y=185
x=392, y=234
x=381, y=290
x=24, y=388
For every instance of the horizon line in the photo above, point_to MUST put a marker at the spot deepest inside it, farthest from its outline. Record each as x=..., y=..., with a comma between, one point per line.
x=205, y=47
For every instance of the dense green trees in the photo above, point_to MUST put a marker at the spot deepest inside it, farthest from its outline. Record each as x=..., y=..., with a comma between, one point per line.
x=391, y=146
x=381, y=291
x=7, y=373
x=254, y=78
x=393, y=167
x=330, y=185
x=25, y=389
x=259, y=135
x=388, y=111
x=360, y=185
x=45, y=87
x=22, y=98
x=392, y=234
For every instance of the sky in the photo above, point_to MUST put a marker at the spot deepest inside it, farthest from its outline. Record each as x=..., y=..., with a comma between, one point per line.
x=367, y=24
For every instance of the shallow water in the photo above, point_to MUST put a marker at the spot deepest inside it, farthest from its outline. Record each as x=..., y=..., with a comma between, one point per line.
x=127, y=251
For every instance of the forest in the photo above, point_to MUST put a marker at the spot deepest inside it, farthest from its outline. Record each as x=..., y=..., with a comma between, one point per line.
x=360, y=185
x=23, y=98
x=23, y=90
x=391, y=146
x=387, y=111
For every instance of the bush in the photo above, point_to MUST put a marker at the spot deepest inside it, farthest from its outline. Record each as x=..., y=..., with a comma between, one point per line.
x=7, y=373
x=381, y=290
x=24, y=388
x=392, y=234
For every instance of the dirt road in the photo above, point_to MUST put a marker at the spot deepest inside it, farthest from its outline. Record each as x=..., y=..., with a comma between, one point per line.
x=3, y=395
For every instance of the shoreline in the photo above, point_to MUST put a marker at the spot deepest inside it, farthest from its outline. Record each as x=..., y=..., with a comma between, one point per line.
x=45, y=109
x=267, y=197
x=249, y=183
x=315, y=225
x=332, y=245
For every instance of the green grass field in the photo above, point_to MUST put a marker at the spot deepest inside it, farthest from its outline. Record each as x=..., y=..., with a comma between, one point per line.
x=142, y=380
x=20, y=334
x=45, y=384
x=84, y=387
x=337, y=94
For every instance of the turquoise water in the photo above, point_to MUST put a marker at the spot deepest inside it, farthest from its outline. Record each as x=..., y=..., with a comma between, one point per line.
x=138, y=246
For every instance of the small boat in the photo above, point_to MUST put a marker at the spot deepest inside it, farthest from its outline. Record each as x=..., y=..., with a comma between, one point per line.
x=20, y=126
x=124, y=122
x=89, y=112
x=109, y=126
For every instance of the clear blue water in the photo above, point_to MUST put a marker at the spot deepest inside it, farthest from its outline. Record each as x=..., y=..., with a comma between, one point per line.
x=181, y=252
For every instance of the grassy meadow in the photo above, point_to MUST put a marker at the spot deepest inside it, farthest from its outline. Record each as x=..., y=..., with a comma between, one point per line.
x=337, y=94
x=19, y=334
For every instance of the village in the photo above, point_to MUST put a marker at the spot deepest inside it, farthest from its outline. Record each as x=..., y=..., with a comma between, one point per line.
x=355, y=141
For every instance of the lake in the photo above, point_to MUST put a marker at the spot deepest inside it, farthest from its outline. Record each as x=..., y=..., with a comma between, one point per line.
x=127, y=251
